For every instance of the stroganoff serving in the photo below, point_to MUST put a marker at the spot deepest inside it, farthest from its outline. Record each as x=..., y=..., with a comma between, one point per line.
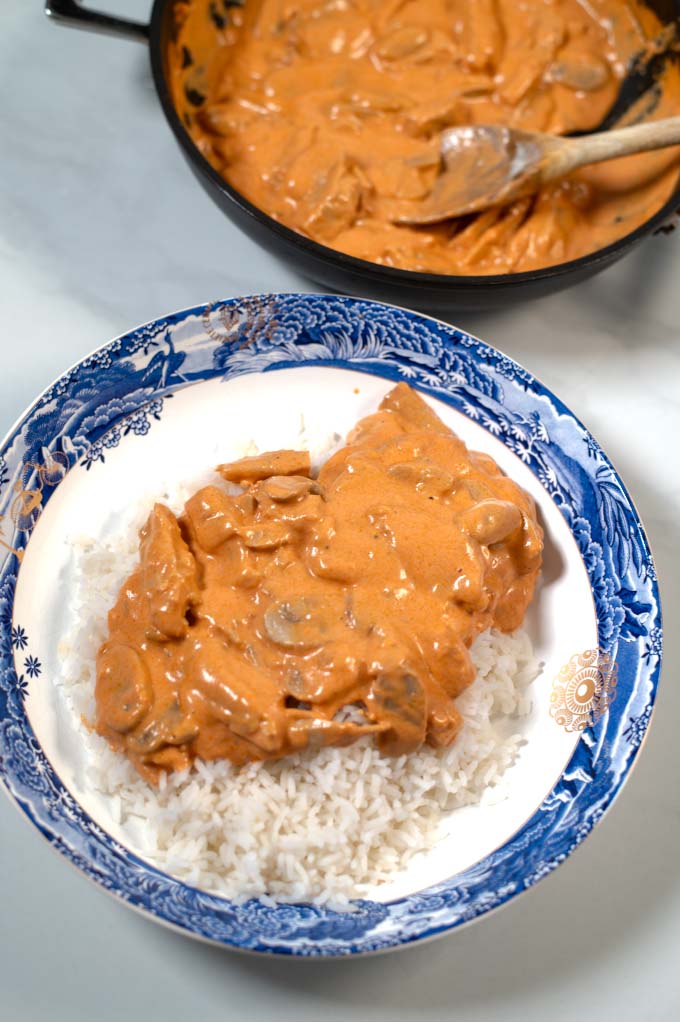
x=302, y=612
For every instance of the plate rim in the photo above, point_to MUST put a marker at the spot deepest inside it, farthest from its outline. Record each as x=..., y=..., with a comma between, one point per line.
x=453, y=336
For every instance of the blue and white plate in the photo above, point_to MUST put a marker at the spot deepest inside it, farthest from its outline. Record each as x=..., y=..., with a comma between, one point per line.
x=187, y=391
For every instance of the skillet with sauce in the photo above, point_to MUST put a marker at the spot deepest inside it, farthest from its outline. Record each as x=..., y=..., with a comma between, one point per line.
x=282, y=611
x=323, y=112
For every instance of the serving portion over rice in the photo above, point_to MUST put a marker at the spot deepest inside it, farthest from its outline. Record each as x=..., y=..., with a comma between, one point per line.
x=324, y=826
x=302, y=678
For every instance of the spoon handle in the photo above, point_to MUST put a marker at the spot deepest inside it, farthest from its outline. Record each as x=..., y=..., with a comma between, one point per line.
x=607, y=145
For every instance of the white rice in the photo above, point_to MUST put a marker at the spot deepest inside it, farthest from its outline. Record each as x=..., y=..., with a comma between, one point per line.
x=325, y=826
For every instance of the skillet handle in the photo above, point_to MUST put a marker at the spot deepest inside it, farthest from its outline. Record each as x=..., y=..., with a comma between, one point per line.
x=69, y=12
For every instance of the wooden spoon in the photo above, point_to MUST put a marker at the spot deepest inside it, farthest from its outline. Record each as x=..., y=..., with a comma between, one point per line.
x=490, y=165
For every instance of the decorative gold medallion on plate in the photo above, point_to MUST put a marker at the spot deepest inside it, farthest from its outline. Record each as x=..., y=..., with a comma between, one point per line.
x=583, y=690
x=254, y=318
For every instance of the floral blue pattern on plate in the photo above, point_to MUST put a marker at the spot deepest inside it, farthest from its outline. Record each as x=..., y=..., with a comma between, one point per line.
x=122, y=389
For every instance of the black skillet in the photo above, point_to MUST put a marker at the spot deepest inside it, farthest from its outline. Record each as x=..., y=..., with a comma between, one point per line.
x=429, y=291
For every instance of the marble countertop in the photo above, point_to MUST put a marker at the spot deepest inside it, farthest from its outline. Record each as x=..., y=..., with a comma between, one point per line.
x=102, y=227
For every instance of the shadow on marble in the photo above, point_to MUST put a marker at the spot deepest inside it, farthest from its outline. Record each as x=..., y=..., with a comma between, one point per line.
x=618, y=299
x=633, y=293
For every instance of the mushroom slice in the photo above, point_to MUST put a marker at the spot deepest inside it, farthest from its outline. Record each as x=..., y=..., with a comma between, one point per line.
x=424, y=476
x=304, y=621
x=490, y=521
x=123, y=690
x=286, y=488
x=265, y=536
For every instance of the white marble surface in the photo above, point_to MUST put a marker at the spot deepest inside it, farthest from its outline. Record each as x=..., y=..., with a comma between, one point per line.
x=103, y=227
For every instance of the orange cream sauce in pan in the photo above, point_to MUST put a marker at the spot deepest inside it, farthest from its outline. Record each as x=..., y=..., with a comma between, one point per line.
x=323, y=112
x=298, y=612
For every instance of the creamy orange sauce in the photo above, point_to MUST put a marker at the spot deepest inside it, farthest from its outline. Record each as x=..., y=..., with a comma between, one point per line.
x=324, y=112
x=297, y=612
